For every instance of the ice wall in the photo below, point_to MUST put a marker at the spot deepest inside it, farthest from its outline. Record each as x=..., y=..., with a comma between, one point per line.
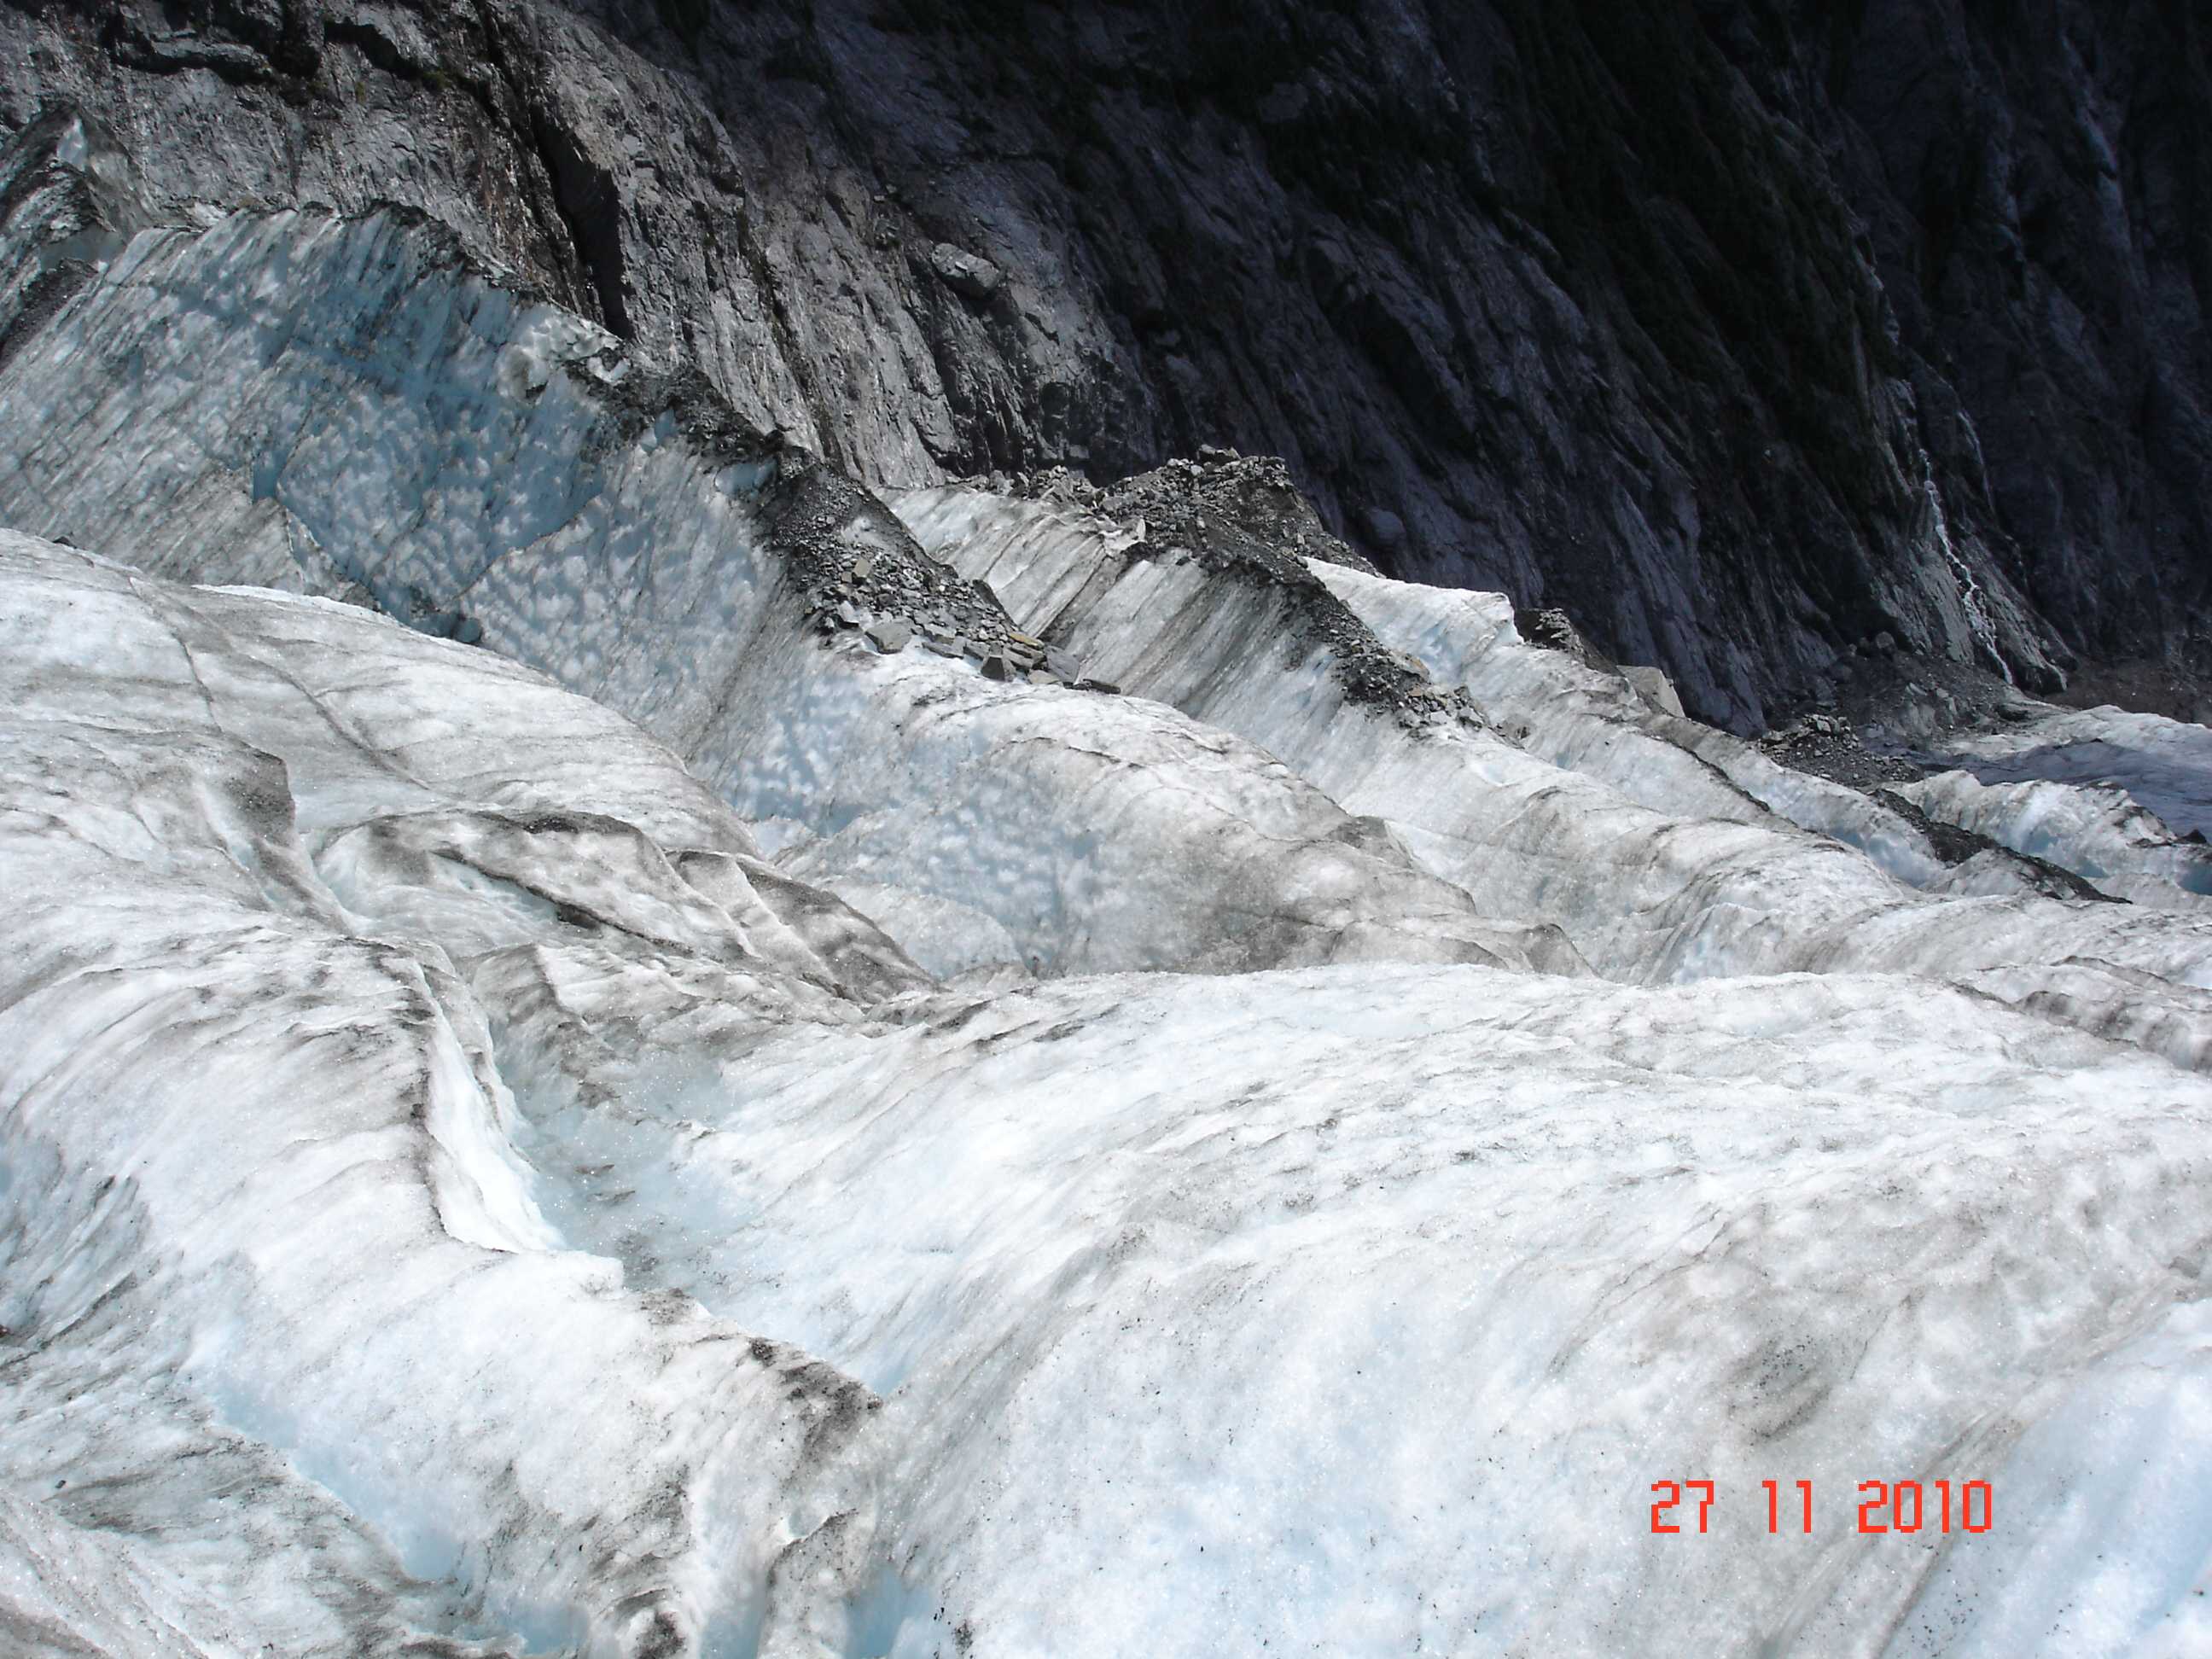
x=343, y=406
x=1712, y=884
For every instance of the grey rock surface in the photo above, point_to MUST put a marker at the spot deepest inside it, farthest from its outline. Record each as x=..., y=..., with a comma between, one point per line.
x=1744, y=334
x=889, y=634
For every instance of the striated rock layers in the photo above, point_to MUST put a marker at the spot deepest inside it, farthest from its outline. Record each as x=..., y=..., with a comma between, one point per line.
x=1744, y=334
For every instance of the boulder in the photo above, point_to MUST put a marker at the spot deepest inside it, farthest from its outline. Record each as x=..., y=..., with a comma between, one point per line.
x=889, y=634
x=970, y=275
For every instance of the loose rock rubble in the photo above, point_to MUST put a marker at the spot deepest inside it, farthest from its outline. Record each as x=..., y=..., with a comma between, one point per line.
x=1254, y=493
x=862, y=576
x=1552, y=629
x=1241, y=518
x=1830, y=747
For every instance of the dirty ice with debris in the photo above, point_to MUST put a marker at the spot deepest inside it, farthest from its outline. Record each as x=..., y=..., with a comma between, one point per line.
x=610, y=1045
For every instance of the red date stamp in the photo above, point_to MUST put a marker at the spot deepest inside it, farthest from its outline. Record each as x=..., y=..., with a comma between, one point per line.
x=1906, y=1506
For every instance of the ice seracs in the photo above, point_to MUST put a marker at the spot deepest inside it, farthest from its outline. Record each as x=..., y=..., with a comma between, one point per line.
x=704, y=1126
x=2162, y=763
x=651, y=553
x=437, y=1212
x=2096, y=830
x=1569, y=803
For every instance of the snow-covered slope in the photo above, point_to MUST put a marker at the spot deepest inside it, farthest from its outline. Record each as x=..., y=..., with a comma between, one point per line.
x=442, y=1204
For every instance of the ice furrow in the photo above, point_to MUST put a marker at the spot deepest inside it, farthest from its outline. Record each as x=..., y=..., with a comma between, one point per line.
x=1640, y=894
x=864, y=1318
x=373, y=1128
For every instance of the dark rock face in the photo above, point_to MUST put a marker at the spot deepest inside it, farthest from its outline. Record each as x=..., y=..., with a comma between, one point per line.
x=1741, y=333
x=2036, y=180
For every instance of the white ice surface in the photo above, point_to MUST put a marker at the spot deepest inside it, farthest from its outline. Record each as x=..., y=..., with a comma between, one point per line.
x=298, y=399
x=2165, y=765
x=453, y=1189
x=1590, y=722
x=388, y=1252
x=1685, y=878
x=2099, y=832
x=372, y=394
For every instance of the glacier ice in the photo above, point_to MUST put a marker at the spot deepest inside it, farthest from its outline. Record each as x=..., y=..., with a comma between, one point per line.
x=2096, y=830
x=1348, y=1306
x=2161, y=763
x=685, y=1133
x=617, y=556
x=1719, y=884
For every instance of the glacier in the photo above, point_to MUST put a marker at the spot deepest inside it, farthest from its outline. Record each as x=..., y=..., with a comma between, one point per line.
x=590, y=1064
x=2160, y=763
x=2098, y=830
